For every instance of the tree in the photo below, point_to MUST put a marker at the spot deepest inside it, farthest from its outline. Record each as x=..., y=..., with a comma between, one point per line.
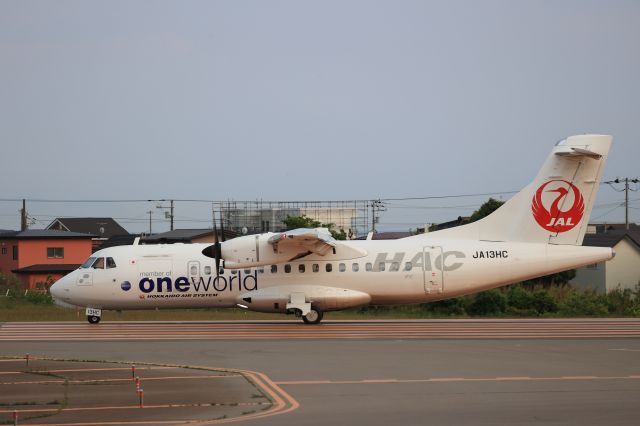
x=486, y=209
x=294, y=222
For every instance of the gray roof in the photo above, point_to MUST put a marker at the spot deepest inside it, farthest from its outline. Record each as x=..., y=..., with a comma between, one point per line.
x=48, y=268
x=185, y=235
x=44, y=233
x=387, y=235
x=120, y=240
x=181, y=234
x=611, y=238
x=103, y=227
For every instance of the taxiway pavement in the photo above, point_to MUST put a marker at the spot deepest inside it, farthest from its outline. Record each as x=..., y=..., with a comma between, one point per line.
x=399, y=378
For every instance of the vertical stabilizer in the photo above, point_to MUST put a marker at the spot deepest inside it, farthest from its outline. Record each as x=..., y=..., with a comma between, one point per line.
x=555, y=207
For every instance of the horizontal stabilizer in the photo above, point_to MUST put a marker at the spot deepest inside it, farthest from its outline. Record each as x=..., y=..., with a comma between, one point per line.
x=579, y=152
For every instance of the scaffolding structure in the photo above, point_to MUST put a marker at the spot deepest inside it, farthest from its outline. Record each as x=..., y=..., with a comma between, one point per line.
x=253, y=217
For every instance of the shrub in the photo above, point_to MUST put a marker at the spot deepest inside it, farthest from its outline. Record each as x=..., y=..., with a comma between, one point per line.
x=491, y=302
x=455, y=306
x=581, y=304
x=519, y=298
x=542, y=302
x=37, y=298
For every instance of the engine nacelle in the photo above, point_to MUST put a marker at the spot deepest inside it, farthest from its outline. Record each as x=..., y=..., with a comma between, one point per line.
x=275, y=299
x=251, y=250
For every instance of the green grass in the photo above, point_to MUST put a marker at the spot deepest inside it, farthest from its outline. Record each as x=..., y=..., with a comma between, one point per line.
x=510, y=302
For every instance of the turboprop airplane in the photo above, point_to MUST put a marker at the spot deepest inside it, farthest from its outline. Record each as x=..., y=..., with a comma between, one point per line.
x=306, y=272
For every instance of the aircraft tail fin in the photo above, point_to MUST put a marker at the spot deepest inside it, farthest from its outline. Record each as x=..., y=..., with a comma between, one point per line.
x=555, y=207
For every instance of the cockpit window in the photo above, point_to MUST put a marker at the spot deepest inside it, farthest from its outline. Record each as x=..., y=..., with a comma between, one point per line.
x=111, y=263
x=88, y=263
x=99, y=264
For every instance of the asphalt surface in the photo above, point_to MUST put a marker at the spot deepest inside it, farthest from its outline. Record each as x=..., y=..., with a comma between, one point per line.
x=382, y=380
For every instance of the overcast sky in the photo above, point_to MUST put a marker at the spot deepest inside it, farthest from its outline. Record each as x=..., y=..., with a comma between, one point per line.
x=301, y=100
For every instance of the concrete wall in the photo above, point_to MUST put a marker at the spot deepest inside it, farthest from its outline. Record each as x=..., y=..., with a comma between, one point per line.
x=592, y=277
x=623, y=271
x=6, y=256
x=34, y=252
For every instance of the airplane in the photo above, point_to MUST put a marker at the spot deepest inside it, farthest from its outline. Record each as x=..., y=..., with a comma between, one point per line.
x=306, y=272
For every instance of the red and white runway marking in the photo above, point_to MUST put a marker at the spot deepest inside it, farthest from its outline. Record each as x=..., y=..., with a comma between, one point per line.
x=294, y=330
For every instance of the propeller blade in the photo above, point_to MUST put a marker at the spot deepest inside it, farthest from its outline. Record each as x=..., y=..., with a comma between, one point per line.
x=222, y=228
x=216, y=245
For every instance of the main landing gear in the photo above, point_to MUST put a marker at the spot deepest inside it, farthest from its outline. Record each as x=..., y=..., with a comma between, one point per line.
x=93, y=319
x=313, y=317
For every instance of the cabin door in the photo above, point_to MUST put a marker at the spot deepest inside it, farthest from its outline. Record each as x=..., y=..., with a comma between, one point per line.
x=432, y=269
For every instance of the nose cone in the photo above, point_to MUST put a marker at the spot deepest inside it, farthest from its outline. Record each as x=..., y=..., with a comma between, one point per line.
x=60, y=292
x=56, y=290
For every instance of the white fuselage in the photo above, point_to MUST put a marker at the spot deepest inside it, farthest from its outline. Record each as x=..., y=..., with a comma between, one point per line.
x=410, y=270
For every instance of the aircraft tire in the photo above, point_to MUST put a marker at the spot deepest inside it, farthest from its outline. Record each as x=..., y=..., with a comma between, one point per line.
x=93, y=319
x=313, y=317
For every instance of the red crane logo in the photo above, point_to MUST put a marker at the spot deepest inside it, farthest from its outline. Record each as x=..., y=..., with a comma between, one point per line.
x=554, y=219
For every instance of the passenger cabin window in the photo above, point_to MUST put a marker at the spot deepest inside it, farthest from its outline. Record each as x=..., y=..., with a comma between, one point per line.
x=261, y=270
x=88, y=263
x=207, y=270
x=315, y=267
x=287, y=268
x=274, y=269
x=111, y=263
x=99, y=264
x=395, y=266
x=355, y=267
x=329, y=267
x=193, y=270
x=301, y=268
x=408, y=266
x=381, y=266
x=342, y=267
x=247, y=271
x=369, y=267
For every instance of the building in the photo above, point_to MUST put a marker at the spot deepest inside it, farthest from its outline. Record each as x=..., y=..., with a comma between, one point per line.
x=621, y=272
x=102, y=228
x=40, y=257
x=387, y=235
x=255, y=221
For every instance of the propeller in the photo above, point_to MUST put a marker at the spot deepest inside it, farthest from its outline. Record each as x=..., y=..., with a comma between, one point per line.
x=224, y=238
x=215, y=250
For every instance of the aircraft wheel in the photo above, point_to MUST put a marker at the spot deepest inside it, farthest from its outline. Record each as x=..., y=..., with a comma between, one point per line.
x=313, y=317
x=93, y=319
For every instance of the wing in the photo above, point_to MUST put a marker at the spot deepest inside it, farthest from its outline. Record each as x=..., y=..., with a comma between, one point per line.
x=303, y=241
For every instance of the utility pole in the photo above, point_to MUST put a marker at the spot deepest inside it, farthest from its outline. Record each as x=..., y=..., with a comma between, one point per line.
x=376, y=206
x=626, y=195
x=171, y=215
x=626, y=203
x=167, y=214
x=150, y=213
x=24, y=224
